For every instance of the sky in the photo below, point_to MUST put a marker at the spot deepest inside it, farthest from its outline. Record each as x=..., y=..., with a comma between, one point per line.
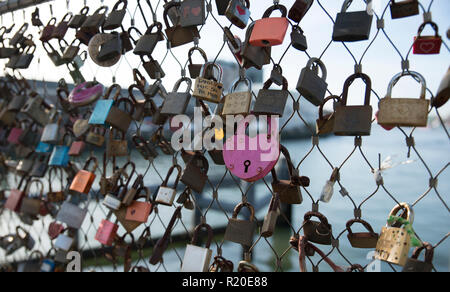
x=381, y=61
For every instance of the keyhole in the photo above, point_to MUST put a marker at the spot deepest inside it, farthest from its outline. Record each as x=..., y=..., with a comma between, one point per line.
x=247, y=164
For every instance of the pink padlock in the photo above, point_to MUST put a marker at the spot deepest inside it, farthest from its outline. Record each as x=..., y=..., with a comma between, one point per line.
x=14, y=135
x=248, y=158
x=85, y=94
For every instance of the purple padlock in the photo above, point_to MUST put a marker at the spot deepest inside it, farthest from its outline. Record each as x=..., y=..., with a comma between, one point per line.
x=85, y=94
x=14, y=135
x=251, y=159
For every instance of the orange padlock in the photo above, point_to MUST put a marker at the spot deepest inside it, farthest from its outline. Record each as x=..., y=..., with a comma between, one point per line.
x=270, y=31
x=82, y=183
x=139, y=211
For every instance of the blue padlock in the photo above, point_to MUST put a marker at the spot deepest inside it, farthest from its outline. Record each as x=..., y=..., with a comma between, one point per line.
x=60, y=156
x=103, y=106
x=44, y=148
x=48, y=266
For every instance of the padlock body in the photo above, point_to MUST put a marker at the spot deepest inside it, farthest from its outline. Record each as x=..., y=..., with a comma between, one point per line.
x=416, y=266
x=271, y=102
x=72, y=215
x=404, y=8
x=269, y=32
x=316, y=232
x=325, y=126
x=403, y=112
x=352, y=26
x=240, y=231
x=138, y=211
x=289, y=193
x=270, y=221
x=196, y=259
x=312, y=87
x=393, y=246
x=353, y=121
x=106, y=232
x=427, y=45
x=112, y=202
x=82, y=183
x=363, y=240
x=237, y=103
x=208, y=90
x=237, y=13
x=165, y=196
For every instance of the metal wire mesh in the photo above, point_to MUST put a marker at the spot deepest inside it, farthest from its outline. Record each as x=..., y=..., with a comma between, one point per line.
x=277, y=257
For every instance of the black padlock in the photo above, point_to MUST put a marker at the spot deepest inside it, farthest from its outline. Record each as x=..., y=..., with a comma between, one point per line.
x=19, y=36
x=298, y=39
x=406, y=8
x=352, y=26
x=310, y=85
x=77, y=21
x=222, y=6
x=147, y=42
x=115, y=18
x=195, y=69
x=153, y=68
x=271, y=102
x=93, y=23
x=25, y=59
x=111, y=49
x=277, y=75
x=195, y=175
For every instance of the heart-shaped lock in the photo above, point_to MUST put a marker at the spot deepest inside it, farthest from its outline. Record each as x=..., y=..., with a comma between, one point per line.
x=252, y=158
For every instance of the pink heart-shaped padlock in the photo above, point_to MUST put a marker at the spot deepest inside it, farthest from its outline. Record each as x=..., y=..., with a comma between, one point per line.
x=251, y=159
x=85, y=93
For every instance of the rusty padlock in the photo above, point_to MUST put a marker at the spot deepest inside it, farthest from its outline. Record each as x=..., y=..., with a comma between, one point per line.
x=363, y=239
x=241, y=231
x=319, y=232
x=414, y=265
x=325, y=123
x=271, y=218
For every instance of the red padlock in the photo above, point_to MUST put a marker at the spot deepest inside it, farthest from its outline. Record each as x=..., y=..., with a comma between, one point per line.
x=270, y=31
x=76, y=148
x=106, y=232
x=82, y=183
x=427, y=45
x=54, y=230
x=139, y=211
x=14, y=201
x=47, y=32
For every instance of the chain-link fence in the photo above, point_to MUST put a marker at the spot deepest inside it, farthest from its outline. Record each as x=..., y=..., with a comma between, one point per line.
x=420, y=163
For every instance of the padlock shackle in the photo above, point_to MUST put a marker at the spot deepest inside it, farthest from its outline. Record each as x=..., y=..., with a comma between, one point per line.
x=103, y=9
x=133, y=165
x=346, y=5
x=364, y=223
x=38, y=182
x=167, y=7
x=88, y=162
x=127, y=101
x=239, y=207
x=139, y=80
x=146, y=192
x=349, y=82
x=245, y=80
x=202, y=52
x=116, y=6
x=290, y=165
x=132, y=38
x=332, y=97
x=36, y=252
x=68, y=14
x=317, y=61
x=52, y=21
x=84, y=10
x=118, y=89
x=271, y=9
x=413, y=74
x=433, y=25
x=409, y=215
x=158, y=26
x=429, y=252
x=50, y=171
x=131, y=94
x=320, y=216
x=207, y=67
x=178, y=84
x=169, y=174
x=269, y=83
x=197, y=231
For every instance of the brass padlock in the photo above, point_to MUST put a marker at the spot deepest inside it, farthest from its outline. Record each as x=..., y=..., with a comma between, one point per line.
x=354, y=120
x=32, y=206
x=117, y=145
x=241, y=231
x=96, y=136
x=394, y=242
x=413, y=265
x=404, y=112
x=362, y=239
x=325, y=123
x=246, y=265
x=238, y=103
x=319, y=232
x=209, y=87
x=271, y=218
x=118, y=118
